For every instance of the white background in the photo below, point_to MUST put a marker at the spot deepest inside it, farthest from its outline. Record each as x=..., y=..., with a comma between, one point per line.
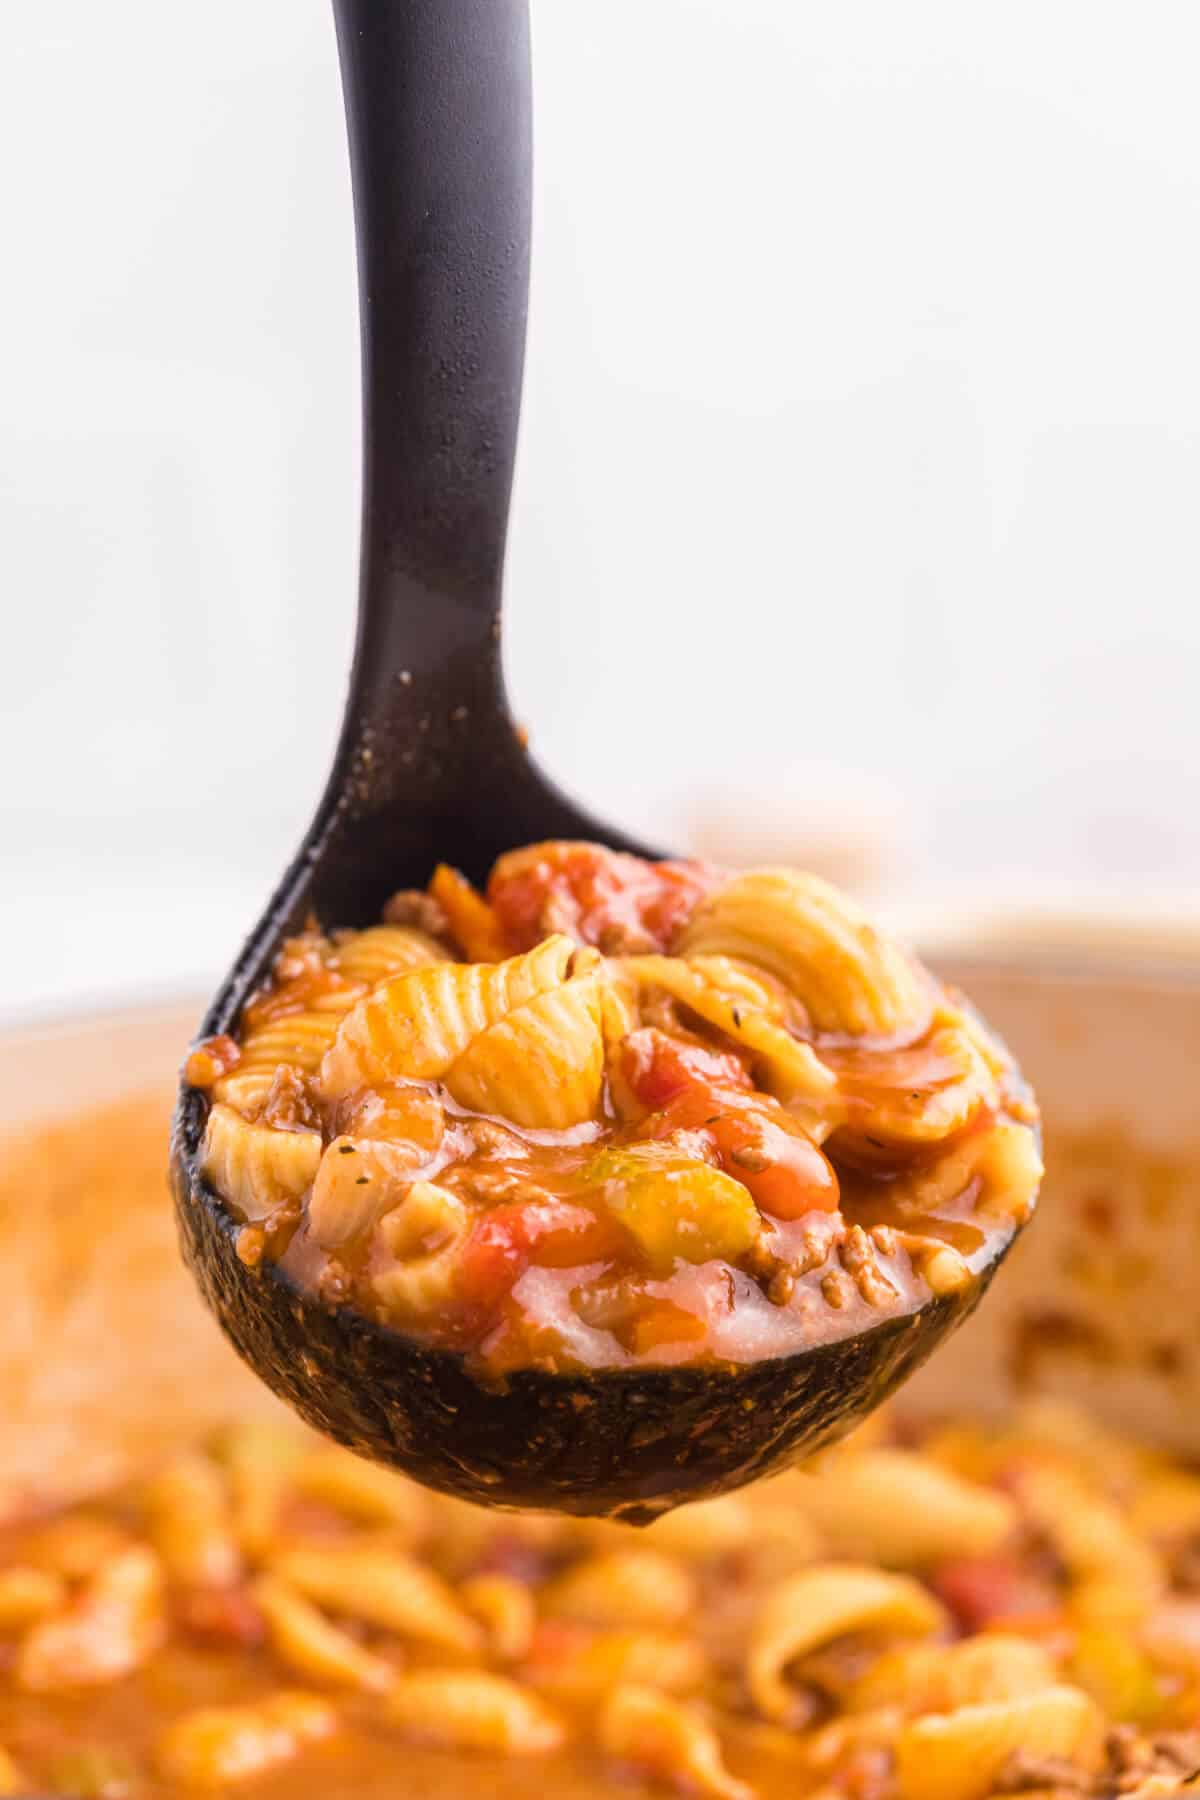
x=861, y=458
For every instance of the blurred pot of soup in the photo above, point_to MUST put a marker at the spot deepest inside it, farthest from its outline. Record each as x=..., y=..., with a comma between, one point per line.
x=107, y=1357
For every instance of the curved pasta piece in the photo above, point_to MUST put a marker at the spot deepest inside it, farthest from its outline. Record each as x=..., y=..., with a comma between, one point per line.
x=384, y=1588
x=851, y=980
x=542, y=1066
x=590, y=1668
x=1001, y=1163
x=742, y=1008
x=191, y=1523
x=258, y=1459
x=619, y=1016
x=257, y=1168
x=897, y=1508
x=397, y=1114
x=466, y=1709
x=110, y=1628
x=618, y=1005
x=384, y=951
x=706, y=1528
x=359, y=1179
x=1009, y=1170
x=814, y=1607
x=417, y=1025
x=363, y=1490
x=423, y=1235
x=301, y=1039
x=912, y=1097
x=505, y=1608
x=961, y=1755
x=699, y=1531
x=1045, y=1431
x=218, y=1744
x=957, y=1011
x=670, y=1739
x=1116, y=1575
x=626, y=1587
x=245, y=1089
x=939, y=1678
x=308, y=1642
x=298, y=1039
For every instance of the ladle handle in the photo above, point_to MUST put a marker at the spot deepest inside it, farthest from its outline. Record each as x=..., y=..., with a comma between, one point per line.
x=438, y=108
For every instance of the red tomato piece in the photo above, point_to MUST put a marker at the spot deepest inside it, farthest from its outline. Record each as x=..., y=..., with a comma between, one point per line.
x=492, y=1260
x=546, y=1231
x=597, y=896
x=659, y=1069
x=784, y=1170
x=753, y=1138
x=982, y=1590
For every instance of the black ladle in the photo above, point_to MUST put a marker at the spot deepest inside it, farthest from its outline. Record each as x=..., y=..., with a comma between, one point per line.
x=431, y=767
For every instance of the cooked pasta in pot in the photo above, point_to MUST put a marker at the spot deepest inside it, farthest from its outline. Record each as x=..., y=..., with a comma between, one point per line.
x=959, y=1611
x=324, y=1627
x=616, y=1113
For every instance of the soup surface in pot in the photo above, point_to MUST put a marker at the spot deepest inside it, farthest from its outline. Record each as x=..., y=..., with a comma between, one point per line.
x=964, y=1611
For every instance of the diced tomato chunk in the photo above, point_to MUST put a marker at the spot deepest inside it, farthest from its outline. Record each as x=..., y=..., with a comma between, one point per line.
x=784, y=1170
x=492, y=1260
x=983, y=1590
x=597, y=896
x=660, y=1068
x=753, y=1138
x=548, y=1231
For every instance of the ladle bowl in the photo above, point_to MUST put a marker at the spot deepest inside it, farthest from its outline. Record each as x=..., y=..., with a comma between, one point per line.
x=626, y=1442
x=430, y=767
